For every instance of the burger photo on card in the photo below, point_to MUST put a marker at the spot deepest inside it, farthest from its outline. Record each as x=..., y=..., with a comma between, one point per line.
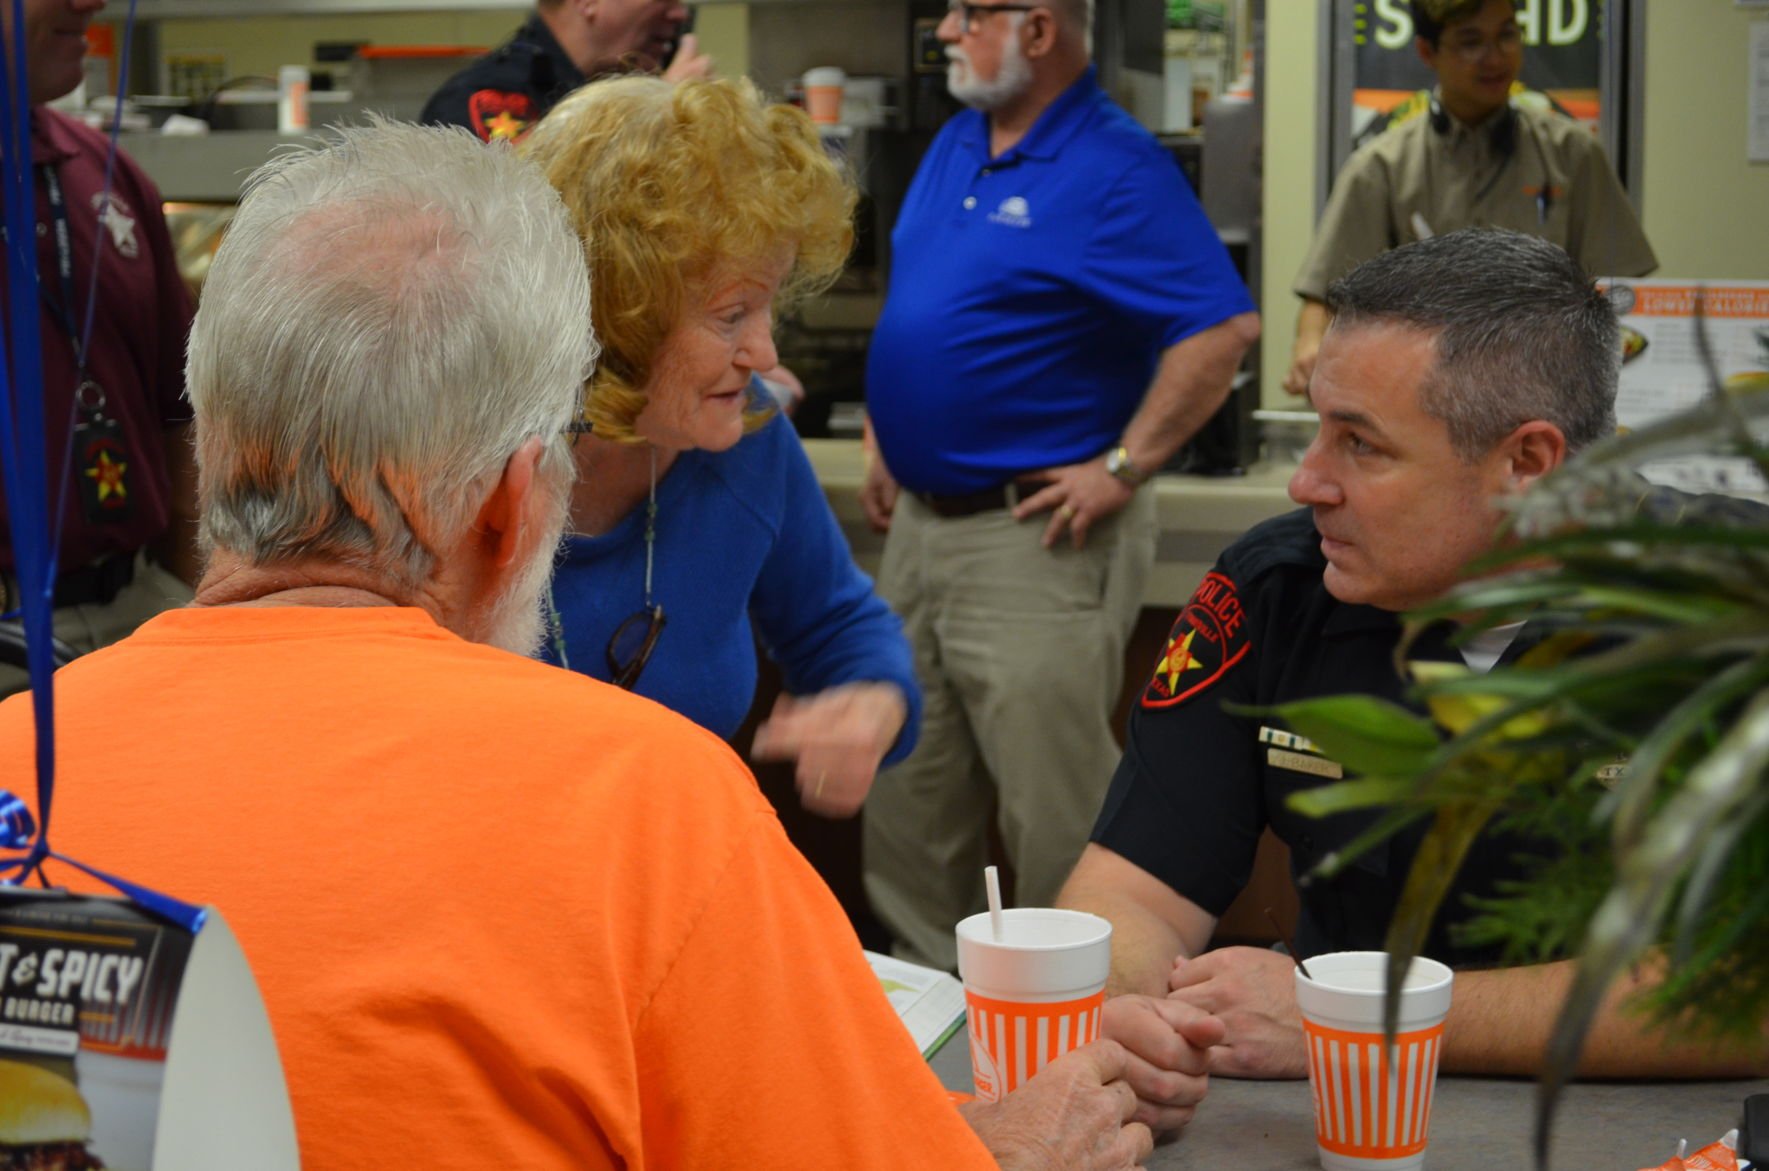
x=44, y=1122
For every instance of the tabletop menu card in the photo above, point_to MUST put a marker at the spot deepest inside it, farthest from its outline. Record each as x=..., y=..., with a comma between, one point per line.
x=929, y=1002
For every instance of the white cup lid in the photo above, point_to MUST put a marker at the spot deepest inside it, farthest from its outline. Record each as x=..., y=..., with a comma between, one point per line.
x=1042, y=951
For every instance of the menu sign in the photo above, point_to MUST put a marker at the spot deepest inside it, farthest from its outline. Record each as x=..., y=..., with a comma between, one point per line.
x=88, y=988
x=1663, y=373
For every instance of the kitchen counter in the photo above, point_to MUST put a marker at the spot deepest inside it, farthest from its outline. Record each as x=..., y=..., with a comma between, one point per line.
x=1199, y=516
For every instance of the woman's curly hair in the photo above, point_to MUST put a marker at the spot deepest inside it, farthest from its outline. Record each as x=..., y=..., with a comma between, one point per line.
x=671, y=186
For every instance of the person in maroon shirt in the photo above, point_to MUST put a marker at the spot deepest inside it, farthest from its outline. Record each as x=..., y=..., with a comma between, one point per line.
x=127, y=537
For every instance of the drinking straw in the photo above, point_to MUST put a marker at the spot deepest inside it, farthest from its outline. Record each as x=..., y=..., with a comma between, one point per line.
x=992, y=882
x=1289, y=943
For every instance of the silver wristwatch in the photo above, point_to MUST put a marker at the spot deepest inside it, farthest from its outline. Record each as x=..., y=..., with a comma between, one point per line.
x=1118, y=464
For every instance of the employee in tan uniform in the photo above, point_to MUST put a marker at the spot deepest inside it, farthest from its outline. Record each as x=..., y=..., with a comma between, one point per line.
x=1474, y=159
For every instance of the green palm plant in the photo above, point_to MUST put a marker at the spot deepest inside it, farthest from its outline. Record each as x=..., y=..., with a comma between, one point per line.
x=1635, y=736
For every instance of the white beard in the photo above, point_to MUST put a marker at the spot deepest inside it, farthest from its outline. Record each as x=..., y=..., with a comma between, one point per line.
x=1012, y=79
x=518, y=621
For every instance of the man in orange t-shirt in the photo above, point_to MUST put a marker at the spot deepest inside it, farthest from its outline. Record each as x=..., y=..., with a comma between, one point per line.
x=502, y=915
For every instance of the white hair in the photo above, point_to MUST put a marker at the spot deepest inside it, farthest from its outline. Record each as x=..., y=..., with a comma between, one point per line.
x=391, y=314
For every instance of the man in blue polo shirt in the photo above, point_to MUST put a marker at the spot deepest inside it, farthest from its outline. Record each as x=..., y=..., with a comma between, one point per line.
x=1061, y=318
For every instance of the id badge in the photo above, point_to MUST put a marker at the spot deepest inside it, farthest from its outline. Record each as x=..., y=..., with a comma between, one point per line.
x=102, y=470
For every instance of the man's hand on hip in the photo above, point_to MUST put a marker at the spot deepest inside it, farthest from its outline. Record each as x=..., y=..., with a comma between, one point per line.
x=878, y=493
x=1169, y=1042
x=1074, y=1115
x=1078, y=497
x=1253, y=991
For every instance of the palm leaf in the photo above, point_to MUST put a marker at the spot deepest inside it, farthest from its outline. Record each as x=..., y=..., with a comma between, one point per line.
x=1434, y=870
x=1720, y=786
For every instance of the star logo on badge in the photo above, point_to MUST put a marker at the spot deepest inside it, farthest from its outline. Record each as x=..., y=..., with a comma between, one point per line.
x=1178, y=661
x=107, y=473
x=504, y=125
x=500, y=116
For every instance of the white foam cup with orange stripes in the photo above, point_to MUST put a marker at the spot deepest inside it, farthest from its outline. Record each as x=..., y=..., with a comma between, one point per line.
x=1372, y=1104
x=1033, y=994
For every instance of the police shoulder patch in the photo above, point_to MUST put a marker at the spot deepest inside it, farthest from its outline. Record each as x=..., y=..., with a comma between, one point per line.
x=1209, y=638
x=500, y=114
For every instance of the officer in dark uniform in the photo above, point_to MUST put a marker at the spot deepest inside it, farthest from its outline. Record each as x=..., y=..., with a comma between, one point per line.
x=1264, y=629
x=1457, y=370
x=561, y=46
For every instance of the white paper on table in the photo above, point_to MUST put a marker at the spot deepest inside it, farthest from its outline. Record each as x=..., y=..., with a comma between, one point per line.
x=929, y=1002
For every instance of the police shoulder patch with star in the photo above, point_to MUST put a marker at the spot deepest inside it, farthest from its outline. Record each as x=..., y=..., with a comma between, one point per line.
x=1209, y=638
x=499, y=115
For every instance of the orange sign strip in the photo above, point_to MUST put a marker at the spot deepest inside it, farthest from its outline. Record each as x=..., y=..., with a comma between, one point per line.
x=1716, y=301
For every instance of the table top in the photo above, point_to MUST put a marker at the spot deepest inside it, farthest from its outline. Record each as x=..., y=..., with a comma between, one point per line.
x=1476, y=1123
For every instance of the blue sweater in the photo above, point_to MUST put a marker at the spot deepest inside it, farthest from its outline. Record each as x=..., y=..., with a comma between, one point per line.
x=746, y=549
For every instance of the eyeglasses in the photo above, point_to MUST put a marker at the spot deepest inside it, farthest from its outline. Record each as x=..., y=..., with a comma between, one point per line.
x=971, y=16
x=630, y=646
x=1472, y=47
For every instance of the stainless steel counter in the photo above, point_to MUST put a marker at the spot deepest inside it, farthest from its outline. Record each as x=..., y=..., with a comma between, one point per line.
x=1476, y=1123
x=1199, y=515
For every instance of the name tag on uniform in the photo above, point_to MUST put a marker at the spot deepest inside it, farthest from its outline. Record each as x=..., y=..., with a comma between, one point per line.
x=1298, y=754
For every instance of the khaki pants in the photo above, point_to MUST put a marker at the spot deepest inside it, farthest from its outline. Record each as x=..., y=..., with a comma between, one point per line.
x=1020, y=651
x=86, y=628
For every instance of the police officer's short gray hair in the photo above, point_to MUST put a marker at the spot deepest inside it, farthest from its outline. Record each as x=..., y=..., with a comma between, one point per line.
x=1522, y=333
x=390, y=316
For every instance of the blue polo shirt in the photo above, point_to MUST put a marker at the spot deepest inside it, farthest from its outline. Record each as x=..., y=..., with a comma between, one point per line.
x=1032, y=295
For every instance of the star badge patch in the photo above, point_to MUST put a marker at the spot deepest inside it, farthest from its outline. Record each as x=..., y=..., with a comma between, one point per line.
x=499, y=115
x=1209, y=638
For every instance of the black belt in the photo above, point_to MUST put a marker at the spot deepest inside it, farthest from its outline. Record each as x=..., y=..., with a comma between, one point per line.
x=970, y=503
x=97, y=584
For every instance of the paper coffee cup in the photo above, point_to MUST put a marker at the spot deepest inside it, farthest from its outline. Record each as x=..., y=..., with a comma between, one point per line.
x=823, y=94
x=292, y=84
x=1372, y=1104
x=1032, y=995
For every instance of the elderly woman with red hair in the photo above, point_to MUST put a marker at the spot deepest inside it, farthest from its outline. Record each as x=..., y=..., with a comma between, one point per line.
x=698, y=526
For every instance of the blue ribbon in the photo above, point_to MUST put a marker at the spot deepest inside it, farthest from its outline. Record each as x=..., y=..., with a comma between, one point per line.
x=18, y=830
x=24, y=473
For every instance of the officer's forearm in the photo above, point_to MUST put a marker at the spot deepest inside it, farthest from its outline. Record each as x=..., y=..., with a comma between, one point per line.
x=1500, y=1022
x=1151, y=924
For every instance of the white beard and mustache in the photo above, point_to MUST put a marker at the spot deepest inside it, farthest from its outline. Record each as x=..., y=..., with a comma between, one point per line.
x=1012, y=78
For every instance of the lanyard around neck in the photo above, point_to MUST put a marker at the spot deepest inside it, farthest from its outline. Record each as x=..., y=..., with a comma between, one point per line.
x=63, y=313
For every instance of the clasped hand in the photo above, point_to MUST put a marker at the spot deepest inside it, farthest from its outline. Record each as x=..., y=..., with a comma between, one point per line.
x=1252, y=991
x=1099, y=1107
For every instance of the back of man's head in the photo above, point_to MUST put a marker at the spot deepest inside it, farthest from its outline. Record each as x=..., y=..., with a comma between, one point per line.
x=1522, y=333
x=389, y=317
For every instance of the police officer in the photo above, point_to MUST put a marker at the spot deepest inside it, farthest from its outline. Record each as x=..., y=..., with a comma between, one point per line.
x=562, y=45
x=1457, y=371
x=1473, y=158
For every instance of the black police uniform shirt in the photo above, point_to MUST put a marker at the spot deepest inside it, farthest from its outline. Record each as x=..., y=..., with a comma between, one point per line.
x=506, y=91
x=1198, y=784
